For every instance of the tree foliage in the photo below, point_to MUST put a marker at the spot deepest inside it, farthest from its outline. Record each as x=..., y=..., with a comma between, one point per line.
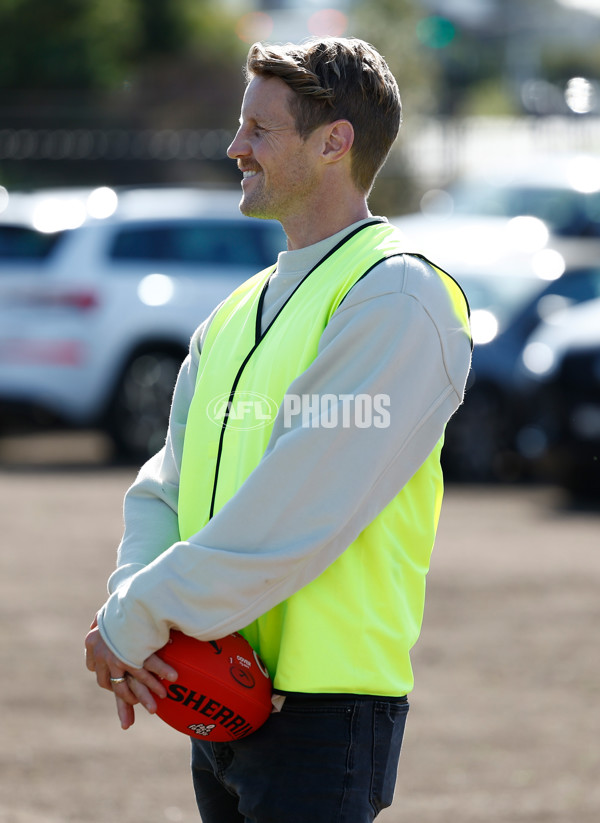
x=65, y=44
x=96, y=44
x=124, y=63
x=391, y=26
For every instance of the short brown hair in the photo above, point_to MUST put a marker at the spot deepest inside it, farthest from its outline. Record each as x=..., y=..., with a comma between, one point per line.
x=338, y=79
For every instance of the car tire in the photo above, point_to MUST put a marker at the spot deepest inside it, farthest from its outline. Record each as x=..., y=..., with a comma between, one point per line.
x=138, y=414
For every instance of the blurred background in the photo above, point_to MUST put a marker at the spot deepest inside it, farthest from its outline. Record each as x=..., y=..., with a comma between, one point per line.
x=118, y=207
x=119, y=233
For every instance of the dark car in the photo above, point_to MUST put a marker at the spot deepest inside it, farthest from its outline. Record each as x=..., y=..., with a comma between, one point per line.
x=488, y=438
x=572, y=456
x=563, y=363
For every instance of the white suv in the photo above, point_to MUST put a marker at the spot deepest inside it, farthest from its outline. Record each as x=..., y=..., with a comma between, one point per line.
x=95, y=318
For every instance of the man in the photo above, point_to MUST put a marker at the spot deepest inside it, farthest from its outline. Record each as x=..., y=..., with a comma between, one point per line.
x=310, y=530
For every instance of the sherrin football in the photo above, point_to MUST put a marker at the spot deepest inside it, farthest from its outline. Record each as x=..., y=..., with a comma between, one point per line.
x=223, y=691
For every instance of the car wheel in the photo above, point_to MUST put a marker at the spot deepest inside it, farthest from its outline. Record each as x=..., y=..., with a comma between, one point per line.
x=139, y=413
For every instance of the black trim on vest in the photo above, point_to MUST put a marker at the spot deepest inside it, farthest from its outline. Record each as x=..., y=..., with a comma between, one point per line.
x=259, y=336
x=370, y=269
x=429, y=263
x=257, y=322
x=425, y=260
x=320, y=263
x=435, y=266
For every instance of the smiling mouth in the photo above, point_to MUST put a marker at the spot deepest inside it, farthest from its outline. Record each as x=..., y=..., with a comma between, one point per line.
x=247, y=174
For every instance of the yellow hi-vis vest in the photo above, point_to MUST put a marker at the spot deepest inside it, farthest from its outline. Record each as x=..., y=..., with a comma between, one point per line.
x=349, y=630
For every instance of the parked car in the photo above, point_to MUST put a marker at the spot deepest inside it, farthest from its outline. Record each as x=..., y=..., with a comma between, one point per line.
x=521, y=240
x=96, y=312
x=562, y=190
x=561, y=363
x=542, y=204
x=487, y=438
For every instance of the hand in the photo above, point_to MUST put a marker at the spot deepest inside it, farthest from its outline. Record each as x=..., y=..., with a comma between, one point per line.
x=139, y=684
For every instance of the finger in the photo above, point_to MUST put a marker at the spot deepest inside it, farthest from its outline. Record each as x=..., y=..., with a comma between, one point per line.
x=90, y=657
x=102, y=668
x=110, y=670
x=126, y=713
x=143, y=695
x=153, y=672
x=157, y=666
x=148, y=680
x=123, y=690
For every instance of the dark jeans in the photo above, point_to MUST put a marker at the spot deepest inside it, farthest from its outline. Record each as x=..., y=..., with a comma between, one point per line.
x=322, y=759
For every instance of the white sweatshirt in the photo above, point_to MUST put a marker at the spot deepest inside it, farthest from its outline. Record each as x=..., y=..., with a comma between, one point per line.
x=394, y=334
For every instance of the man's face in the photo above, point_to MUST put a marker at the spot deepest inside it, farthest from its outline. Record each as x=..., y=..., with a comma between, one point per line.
x=279, y=167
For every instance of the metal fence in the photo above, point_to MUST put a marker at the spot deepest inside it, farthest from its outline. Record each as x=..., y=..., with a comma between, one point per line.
x=113, y=144
x=431, y=151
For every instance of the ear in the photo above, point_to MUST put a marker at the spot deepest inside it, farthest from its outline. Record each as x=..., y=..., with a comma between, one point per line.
x=337, y=140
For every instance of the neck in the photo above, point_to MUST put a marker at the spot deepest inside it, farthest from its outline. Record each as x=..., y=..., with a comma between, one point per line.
x=324, y=219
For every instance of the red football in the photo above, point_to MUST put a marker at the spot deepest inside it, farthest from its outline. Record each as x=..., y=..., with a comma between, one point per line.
x=223, y=691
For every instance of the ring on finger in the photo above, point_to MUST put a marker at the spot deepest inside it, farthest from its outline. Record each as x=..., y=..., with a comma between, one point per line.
x=114, y=681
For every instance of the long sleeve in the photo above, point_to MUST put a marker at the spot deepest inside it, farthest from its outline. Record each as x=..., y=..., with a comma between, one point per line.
x=150, y=505
x=317, y=487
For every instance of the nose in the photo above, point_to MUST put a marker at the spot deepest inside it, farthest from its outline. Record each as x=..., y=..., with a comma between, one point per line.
x=238, y=147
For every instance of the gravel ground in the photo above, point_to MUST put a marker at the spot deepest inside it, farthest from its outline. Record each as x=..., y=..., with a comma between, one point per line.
x=504, y=724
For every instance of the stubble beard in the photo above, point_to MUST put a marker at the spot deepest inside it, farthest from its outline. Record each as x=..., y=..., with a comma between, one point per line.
x=257, y=203
x=283, y=198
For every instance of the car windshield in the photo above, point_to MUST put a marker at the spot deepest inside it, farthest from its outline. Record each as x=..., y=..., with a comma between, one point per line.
x=567, y=212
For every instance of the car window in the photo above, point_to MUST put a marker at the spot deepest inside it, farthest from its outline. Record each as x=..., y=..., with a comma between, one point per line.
x=566, y=211
x=22, y=243
x=233, y=243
